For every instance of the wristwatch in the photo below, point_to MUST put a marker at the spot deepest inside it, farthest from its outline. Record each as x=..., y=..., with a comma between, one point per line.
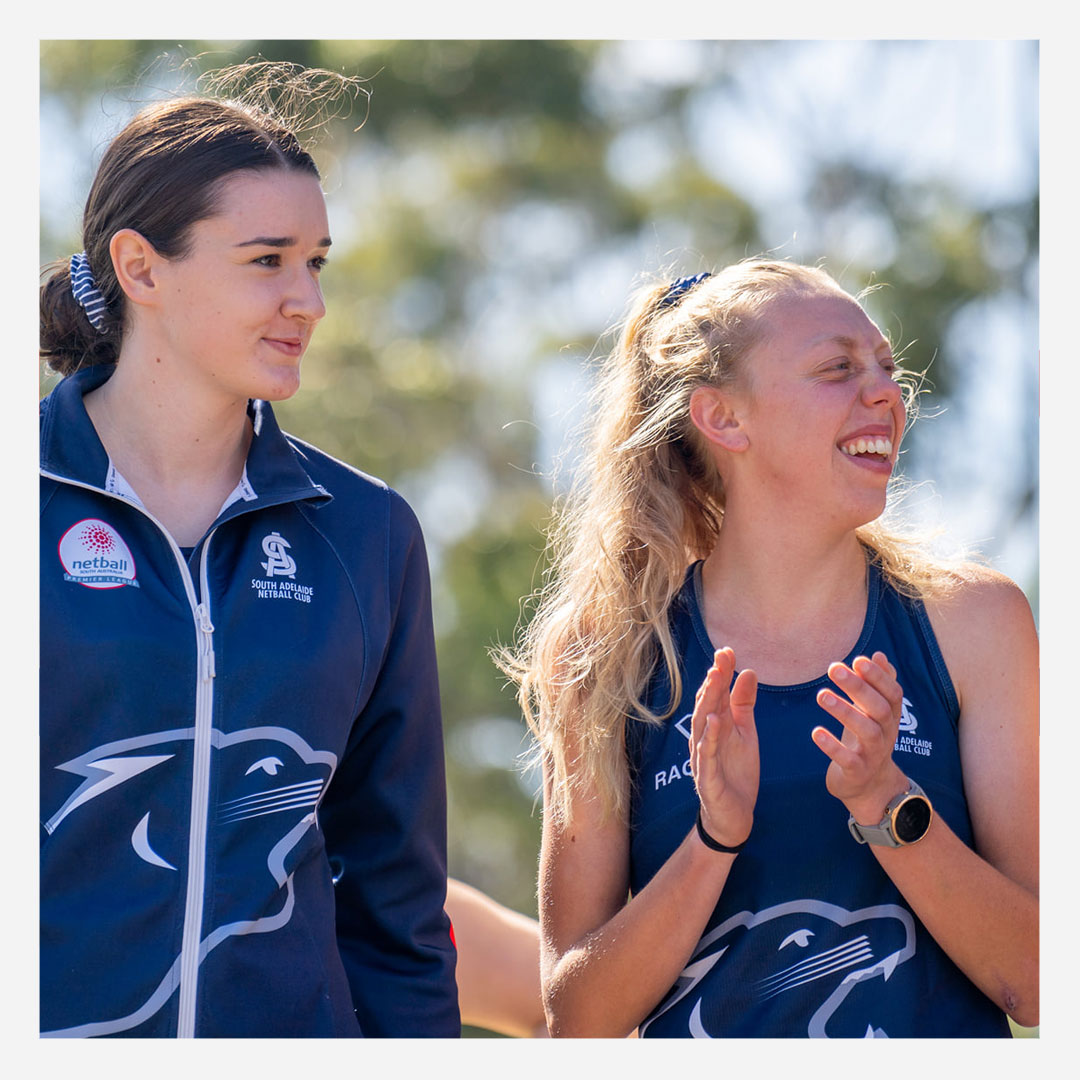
x=906, y=820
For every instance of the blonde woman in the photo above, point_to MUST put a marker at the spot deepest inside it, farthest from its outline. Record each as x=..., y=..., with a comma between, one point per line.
x=790, y=762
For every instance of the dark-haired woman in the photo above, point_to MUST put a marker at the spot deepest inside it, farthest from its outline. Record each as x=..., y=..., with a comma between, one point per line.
x=243, y=800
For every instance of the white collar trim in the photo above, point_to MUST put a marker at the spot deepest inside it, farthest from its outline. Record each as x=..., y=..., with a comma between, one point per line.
x=115, y=484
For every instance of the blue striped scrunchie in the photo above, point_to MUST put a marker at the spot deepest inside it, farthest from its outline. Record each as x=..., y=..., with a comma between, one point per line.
x=677, y=288
x=86, y=292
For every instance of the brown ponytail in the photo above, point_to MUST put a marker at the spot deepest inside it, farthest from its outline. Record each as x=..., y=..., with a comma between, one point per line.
x=67, y=340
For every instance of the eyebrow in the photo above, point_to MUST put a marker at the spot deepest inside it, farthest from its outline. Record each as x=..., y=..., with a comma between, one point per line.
x=845, y=342
x=278, y=242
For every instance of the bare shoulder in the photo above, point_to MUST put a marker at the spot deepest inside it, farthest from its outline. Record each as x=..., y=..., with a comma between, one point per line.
x=984, y=627
x=986, y=633
x=977, y=599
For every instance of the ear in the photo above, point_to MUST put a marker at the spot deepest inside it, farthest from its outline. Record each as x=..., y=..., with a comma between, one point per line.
x=135, y=262
x=713, y=412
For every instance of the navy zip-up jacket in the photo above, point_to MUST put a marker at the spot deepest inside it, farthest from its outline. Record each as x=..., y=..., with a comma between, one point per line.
x=243, y=798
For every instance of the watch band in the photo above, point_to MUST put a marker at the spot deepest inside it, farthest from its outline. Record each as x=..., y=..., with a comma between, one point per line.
x=884, y=832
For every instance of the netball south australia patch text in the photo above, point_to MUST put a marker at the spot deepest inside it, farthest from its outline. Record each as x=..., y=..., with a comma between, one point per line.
x=94, y=554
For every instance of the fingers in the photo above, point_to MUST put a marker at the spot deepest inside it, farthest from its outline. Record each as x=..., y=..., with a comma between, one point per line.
x=846, y=757
x=881, y=675
x=858, y=728
x=743, y=698
x=720, y=710
x=744, y=692
x=875, y=698
x=704, y=757
x=861, y=759
x=868, y=685
x=712, y=695
x=723, y=749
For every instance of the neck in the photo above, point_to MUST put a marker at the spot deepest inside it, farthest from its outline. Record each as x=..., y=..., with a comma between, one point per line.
x=786, y=599
x=155, y=424
x=780, y=577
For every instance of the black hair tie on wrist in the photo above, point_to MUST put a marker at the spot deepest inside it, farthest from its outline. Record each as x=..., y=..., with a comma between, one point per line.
x=709, y=842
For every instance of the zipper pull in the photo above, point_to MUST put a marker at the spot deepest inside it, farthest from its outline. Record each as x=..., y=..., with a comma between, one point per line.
x=207, y=627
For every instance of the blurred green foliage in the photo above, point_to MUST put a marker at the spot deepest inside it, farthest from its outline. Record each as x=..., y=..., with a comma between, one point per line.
x=489, y=218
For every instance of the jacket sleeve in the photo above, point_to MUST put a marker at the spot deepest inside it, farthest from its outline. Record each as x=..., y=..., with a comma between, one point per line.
x=384, y=819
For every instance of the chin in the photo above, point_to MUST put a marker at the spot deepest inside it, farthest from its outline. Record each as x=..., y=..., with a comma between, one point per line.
x=280, y=387
x=858, y=512
x=869, y=515
x=280, y=395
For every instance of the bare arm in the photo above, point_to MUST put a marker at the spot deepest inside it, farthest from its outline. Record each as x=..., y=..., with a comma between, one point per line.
x=498, y=966
x=981, y=905
x=607, y=962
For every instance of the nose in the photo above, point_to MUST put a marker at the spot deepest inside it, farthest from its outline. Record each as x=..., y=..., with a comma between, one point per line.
x=882, y=394
x=880, y=388
x=303, y=298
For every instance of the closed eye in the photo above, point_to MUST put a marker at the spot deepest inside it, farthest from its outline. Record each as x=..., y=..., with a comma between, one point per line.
x=843, y=366
x=839, y=367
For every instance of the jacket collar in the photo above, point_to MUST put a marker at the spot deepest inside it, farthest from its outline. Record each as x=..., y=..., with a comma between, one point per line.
x=71, y=449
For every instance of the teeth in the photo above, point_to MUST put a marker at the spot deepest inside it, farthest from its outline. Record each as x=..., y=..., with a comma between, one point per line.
x=868, y=446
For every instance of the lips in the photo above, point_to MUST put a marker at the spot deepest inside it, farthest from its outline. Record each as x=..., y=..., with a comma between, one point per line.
x=289, y=346
x=869, y=447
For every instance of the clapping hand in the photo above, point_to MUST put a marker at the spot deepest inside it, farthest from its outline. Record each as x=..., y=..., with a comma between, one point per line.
x=724, y=750
x=862, y=773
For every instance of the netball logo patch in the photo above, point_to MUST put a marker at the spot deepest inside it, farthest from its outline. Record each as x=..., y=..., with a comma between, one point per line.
x=94, y=554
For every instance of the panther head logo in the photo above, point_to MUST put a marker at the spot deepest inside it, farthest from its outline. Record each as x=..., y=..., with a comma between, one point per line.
x=267, y=801
x=803, y=958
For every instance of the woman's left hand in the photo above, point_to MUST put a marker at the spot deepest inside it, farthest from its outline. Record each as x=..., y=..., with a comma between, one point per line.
x=862, y=773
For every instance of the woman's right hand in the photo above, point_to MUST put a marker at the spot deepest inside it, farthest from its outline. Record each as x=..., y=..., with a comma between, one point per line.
x=724, y=750
x=608, y=962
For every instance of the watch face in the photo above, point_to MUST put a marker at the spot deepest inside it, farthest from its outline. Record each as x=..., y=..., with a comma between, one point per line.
x=912, y=819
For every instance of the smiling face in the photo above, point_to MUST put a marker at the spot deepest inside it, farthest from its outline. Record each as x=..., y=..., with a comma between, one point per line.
x=238, y=310
x=819, y=407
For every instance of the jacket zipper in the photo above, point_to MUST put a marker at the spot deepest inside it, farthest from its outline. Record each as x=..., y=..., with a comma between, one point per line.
x=200, y=785
x=200, y=805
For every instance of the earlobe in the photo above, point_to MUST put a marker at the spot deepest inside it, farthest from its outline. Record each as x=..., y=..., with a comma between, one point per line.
x=135, y=262
x=713, y=413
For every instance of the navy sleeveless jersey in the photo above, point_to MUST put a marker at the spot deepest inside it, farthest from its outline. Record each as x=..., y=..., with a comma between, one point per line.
x=810, y=937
